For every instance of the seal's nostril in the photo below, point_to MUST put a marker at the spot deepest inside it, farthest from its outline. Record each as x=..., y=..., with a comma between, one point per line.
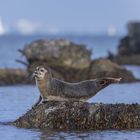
x=36, y=72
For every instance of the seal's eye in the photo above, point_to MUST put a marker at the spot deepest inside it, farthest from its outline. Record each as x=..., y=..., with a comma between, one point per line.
x=103, y=82
x=42, y=70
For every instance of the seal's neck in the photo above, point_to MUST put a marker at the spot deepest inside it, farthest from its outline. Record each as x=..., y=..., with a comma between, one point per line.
x=43, y=85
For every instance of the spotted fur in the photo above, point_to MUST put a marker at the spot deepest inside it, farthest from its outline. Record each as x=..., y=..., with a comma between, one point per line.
x=54, y=89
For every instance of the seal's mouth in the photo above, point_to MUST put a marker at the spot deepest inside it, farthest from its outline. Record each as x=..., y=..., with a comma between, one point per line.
x=34, y=75
x=37, y=75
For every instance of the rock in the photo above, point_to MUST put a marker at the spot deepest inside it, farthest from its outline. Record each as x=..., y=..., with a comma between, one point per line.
x=14, y=76
x=98, y=68
x=53, y=53
x=129, y=46
x=133, y=28
x=81, y=116
x=106, y=68
x=58, y=53
x=127, y=60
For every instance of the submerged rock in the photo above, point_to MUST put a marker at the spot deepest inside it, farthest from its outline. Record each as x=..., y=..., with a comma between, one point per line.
x=58, y=52
x=81, y=116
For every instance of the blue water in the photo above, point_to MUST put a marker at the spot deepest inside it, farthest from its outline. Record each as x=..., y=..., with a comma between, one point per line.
x=16, y=100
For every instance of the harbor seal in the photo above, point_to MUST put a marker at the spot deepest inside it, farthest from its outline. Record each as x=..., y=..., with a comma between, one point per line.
x=54, y=89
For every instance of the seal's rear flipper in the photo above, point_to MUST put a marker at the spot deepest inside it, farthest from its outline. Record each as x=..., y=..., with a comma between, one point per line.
x=117, y=80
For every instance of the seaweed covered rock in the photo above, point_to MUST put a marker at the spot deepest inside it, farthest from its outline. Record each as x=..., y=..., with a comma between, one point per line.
x=58, y=53
x=14, y=76
x=106, y=68
x=81, y=116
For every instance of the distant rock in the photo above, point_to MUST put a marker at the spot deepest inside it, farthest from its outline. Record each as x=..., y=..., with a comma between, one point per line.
x=58, y=52
x=105, y=68
x=133, y=29
x=129, y=46
x=81, y=116
x=14, y=76
x=127, y=59
x=98, y=68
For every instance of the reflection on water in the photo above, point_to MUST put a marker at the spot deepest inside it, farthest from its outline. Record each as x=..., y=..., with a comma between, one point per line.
x=94, y=135
x=13, y=133
x=16, y=100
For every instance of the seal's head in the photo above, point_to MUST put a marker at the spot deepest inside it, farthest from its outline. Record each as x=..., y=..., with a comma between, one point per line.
x=40, y=73
x=104, y=82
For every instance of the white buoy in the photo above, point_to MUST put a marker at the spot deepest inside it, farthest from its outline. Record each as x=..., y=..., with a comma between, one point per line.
x=2, y=29
x=111, y=31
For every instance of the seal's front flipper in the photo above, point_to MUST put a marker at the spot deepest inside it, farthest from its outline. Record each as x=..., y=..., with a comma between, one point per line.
x=44, y=101
x=38, y=102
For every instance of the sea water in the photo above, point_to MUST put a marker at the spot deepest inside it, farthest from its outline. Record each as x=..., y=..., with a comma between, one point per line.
x=16, y=100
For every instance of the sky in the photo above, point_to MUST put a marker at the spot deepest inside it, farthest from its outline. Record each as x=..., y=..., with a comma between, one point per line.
x=67, y=16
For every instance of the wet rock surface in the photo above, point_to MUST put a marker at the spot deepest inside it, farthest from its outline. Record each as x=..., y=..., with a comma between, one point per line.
x=58, y=52
x=81, y=116
x=14, y=76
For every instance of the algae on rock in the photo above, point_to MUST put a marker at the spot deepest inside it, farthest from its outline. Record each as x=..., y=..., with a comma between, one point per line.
x=81, y=116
